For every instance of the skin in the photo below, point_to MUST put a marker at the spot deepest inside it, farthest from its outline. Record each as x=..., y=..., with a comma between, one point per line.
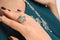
x=52, y=5
x=13, y=5
x=31, y=29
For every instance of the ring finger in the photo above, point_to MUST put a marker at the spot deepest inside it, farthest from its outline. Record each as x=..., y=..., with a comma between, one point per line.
x=12, y=15
x=27, y=20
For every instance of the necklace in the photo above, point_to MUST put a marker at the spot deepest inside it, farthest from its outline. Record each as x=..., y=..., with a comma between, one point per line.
x=44, y=24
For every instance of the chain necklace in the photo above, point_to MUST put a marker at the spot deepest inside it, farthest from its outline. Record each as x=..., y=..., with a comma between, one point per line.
x=44, y=24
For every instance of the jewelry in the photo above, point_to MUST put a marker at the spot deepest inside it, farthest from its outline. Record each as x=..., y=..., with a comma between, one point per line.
x=44, y=24
x=21, y=19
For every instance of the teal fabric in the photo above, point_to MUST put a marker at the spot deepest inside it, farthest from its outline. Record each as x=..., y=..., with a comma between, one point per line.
x=45, y=13
x=3, y=36
x=6, y=32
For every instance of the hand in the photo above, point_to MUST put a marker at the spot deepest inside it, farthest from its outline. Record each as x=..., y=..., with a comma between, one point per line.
x=30, y=29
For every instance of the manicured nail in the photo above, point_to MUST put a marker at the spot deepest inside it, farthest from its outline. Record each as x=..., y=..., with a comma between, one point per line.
x=8, y=9
x=1, y=14
x=3, y=8
x=18, y=10
x=10, y=38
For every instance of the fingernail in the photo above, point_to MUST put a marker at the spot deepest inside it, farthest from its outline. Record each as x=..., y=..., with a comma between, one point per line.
x=1, y=14
x=10, y=38
x=18, y=10
x=8, y=9
x=3, y=8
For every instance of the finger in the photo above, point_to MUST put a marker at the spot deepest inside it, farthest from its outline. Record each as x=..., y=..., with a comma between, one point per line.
x=13, y=24
x=28, y=19
x=23, y=29
x=10, y=14
x=13, y=15
x=14, y=38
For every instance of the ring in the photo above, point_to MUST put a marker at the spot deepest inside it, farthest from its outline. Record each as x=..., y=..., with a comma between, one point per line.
x=21, y=19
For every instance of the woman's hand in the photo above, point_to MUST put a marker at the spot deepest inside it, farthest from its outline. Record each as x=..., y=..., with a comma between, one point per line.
x=30, y=29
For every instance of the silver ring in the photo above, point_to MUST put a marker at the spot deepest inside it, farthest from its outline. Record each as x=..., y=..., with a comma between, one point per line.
x=21, y=19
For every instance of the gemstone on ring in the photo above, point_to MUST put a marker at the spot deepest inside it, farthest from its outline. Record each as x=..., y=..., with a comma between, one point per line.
x=21, y=19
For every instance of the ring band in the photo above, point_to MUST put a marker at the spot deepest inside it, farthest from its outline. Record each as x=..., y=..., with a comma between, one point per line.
x=21, y=19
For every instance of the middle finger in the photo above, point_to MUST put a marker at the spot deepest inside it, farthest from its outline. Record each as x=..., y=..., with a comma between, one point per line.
x=28, y=20
x=10, y=14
